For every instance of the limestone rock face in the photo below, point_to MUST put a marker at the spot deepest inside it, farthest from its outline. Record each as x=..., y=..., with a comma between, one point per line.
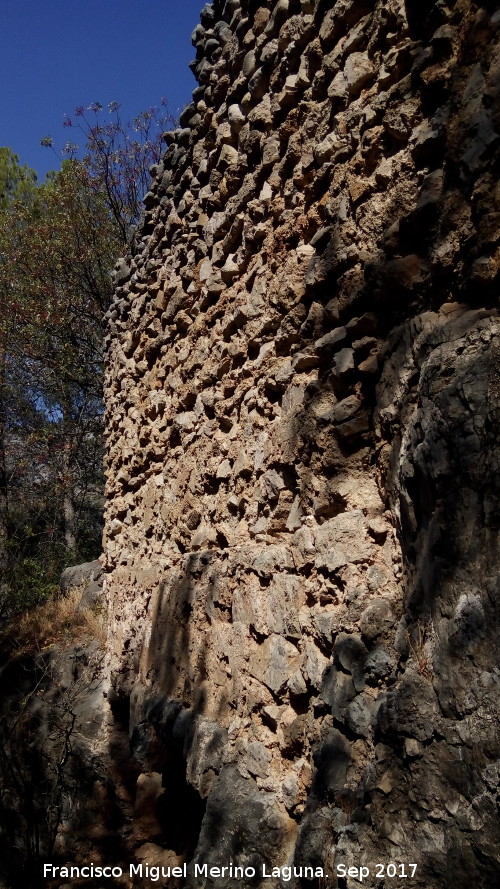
x=87, y=577
x=302, y=403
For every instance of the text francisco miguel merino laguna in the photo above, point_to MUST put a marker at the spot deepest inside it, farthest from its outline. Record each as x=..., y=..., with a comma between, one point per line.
x=156, y=872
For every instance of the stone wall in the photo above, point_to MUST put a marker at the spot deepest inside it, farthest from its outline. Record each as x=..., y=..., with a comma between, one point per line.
x=303, y=454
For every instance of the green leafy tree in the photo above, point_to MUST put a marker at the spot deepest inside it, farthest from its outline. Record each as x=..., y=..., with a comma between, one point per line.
x=57, y=252
x=59, y=241
x=17, y=186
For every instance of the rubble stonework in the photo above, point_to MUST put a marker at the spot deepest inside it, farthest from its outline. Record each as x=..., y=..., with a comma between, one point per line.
x=302, y=403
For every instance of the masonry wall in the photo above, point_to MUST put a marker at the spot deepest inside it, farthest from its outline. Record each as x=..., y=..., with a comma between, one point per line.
x=303, y=461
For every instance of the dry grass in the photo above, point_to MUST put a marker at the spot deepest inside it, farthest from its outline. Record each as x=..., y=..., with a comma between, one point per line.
x=417, y=639
x=59, y=620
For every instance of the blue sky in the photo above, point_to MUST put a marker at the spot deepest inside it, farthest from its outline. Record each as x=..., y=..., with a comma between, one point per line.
x=56, y=55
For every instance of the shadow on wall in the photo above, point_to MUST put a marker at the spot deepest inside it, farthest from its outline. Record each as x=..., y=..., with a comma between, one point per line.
x=431, y=413
x=439, y=717
x=206, y=809
x=174, y=736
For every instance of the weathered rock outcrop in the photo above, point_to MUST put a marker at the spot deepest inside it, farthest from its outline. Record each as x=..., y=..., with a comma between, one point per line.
x=303, y=449
x=53, y=776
